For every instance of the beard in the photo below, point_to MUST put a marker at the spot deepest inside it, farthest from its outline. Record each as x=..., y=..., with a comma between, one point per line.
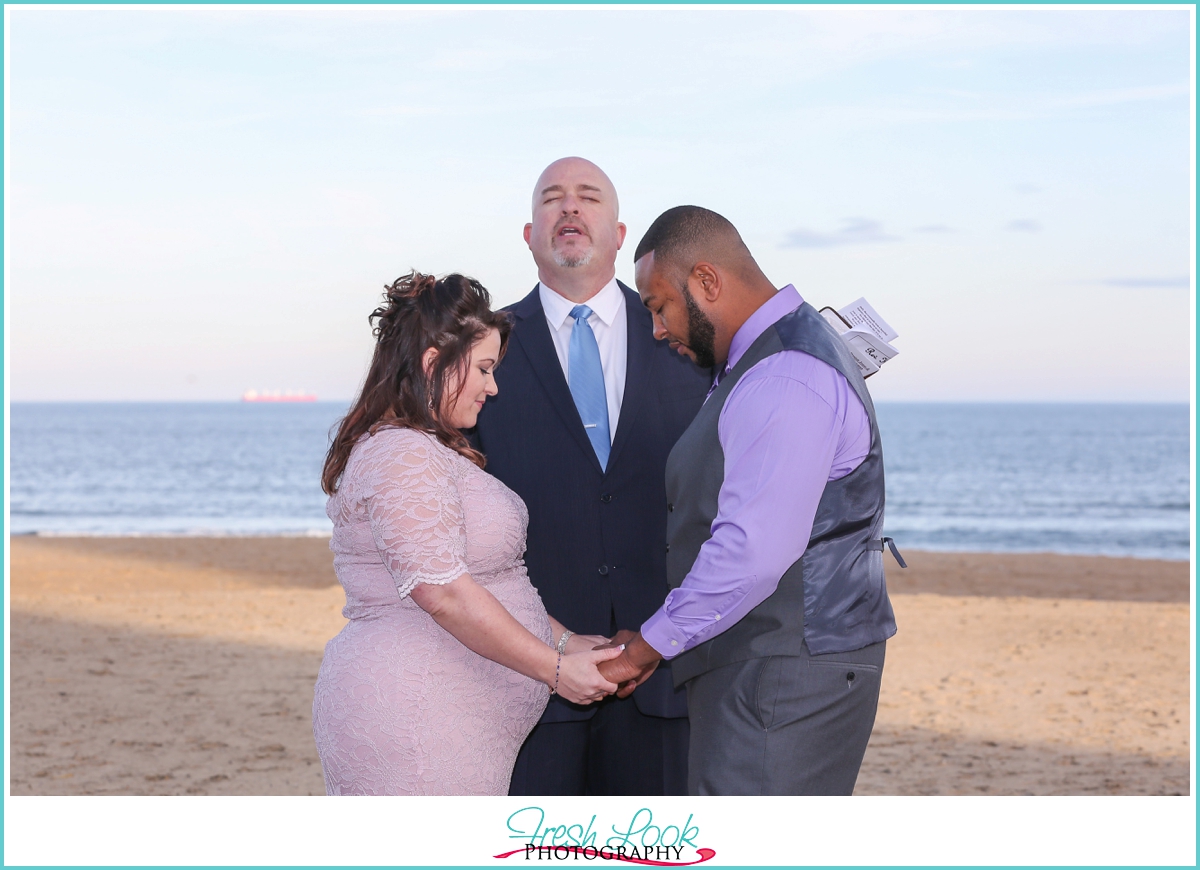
x=701, y=333
x=573, y=260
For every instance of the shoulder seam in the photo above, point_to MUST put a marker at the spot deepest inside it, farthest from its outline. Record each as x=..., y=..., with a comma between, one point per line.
x=764, y=376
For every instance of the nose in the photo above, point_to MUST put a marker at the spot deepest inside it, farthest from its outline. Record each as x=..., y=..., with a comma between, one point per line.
x=660, y=328
x=490, y=387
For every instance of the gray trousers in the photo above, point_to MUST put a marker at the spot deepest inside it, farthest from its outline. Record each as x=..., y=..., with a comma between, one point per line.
x=783, y=725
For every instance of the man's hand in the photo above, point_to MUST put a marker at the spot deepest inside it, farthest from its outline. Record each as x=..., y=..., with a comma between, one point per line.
x=634, y=666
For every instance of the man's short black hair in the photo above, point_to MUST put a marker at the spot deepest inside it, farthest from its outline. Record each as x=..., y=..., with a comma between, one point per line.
x=682, y=232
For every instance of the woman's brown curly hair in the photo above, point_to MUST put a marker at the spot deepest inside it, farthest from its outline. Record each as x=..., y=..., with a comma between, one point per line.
x=419, y=312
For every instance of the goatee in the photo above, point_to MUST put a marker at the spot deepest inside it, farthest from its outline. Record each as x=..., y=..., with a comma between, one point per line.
x=572, y=261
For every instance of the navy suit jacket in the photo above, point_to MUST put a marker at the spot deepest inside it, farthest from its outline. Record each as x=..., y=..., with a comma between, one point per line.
x=597, y=539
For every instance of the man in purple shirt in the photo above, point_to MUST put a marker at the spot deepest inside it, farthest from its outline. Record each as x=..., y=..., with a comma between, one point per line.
x=778, y=614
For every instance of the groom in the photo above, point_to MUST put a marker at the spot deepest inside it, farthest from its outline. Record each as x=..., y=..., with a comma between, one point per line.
x=779, y=615
x=589, y=405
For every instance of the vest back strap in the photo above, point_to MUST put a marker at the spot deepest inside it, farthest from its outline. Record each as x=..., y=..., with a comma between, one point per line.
x=878, y=543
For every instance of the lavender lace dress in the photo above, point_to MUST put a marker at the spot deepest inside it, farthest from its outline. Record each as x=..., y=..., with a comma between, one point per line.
x=400, y=706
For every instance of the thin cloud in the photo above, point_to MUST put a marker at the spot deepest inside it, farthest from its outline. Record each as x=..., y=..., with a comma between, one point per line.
x=1116, y=96
x=933, y=228
x=1024, y=225
x=1181, y=282
x=857, y=231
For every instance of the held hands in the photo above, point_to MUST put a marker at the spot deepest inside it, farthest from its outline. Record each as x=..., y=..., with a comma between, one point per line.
x=579, y=680
x=633, y=666
x=596, y=666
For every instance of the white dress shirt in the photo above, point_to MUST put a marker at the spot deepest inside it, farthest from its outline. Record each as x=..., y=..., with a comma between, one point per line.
x=612, y=333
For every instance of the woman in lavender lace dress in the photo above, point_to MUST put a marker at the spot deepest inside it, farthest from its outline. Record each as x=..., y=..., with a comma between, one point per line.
x=449, y=656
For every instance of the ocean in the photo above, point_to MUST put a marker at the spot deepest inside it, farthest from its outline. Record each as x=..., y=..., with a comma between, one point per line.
x=1091, y=479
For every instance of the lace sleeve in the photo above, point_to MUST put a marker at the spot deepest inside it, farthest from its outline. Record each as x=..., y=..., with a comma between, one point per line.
x=414, y=508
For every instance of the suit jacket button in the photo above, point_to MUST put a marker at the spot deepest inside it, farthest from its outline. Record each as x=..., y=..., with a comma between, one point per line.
x=606, y=498
x=603, y=569
x=668, y=548
x=670, y=507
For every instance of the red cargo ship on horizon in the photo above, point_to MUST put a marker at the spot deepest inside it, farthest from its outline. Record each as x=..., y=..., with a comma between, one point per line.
x=278, y=396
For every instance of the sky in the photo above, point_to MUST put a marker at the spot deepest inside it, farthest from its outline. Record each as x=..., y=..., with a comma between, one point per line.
x=201, y=201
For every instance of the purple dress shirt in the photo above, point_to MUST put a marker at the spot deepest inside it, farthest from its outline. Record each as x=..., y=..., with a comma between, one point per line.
x=791, y=424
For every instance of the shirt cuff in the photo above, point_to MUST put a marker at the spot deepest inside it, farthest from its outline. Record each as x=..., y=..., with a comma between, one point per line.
x=663, y=635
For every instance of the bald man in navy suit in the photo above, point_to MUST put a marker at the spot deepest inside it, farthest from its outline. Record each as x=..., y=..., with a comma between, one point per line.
x=589, y=406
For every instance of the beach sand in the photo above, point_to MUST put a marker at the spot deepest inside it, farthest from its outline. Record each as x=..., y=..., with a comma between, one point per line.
x=186, y=665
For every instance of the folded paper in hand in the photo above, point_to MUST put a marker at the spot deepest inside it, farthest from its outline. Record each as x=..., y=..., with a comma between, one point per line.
x=866, y=334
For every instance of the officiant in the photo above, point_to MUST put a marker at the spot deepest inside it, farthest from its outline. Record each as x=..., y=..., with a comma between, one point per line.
x=589, y=406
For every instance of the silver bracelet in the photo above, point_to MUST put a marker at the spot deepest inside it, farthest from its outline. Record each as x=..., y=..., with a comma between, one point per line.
x=562, y=641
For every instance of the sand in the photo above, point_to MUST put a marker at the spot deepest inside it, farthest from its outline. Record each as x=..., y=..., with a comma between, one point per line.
x=185, y=666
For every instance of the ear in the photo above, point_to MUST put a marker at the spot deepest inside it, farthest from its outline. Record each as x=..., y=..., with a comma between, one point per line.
x=428, y=359
x=709, y=279
x=528, y=232
x=620, y=235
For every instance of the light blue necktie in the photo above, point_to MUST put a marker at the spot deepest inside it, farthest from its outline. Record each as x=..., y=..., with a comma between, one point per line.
x=587, y=383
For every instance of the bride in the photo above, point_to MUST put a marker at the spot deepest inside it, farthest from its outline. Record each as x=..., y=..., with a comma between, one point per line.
x=449, y=656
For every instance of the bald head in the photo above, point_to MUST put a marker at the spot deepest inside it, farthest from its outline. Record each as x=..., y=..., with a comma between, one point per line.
x=580, y=170
x=574, y=234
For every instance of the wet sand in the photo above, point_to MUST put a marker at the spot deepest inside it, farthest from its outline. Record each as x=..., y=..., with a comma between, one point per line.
x=185, y=666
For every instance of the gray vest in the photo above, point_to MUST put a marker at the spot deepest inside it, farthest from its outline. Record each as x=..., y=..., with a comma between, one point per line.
x=833, y=598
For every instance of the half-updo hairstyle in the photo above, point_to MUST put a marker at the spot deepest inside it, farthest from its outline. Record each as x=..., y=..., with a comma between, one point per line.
x=419, y=312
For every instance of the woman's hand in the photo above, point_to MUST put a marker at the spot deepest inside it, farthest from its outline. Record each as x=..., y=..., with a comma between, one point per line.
x=584, y=642
x=579, y=681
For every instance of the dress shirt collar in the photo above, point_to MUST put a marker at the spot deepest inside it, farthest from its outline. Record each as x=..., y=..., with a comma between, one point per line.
x=606, y=304
x=784, y=302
